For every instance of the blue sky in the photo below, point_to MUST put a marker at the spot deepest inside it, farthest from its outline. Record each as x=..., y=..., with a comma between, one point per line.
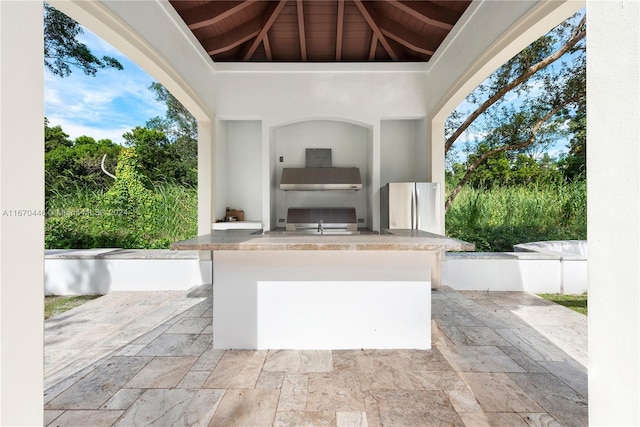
x=103, y=106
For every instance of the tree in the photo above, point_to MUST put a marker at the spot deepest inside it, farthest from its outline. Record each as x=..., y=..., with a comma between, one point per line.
x=62, y=50
x=574, y=165
x=181, y=130
x=178, y=121
x=76, y=163
x=524, y=103
x=54, y=137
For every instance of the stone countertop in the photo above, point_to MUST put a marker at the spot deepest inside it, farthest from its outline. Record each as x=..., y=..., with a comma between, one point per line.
x=388, y=240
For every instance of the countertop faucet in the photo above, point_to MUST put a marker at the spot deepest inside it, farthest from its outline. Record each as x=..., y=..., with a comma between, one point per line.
x=320, y=227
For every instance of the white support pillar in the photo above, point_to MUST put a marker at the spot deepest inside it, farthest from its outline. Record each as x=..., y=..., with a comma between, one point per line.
x=435, y=167
x=206, y=175
x=613, y=159
x=206, y=180
x=21, y=213
x=376, y=162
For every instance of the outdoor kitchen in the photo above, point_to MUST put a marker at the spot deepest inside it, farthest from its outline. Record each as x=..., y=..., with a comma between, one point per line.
x=336, y=260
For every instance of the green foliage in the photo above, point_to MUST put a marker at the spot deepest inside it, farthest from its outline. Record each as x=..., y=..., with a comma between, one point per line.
x=81, y=218
x=181, y=130
x=62, y=50
x=161, y=160
x=508, y=169
x=495, y=219
x=178, y=121
x=69, y=164
x=534, y=100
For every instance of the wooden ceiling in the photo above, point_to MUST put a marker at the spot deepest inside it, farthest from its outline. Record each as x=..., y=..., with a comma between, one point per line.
x=320, y=30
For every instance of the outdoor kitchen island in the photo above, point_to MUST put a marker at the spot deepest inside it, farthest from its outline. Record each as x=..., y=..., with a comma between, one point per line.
x=289, y=291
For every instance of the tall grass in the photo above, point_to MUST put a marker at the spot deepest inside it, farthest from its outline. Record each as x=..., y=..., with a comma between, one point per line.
x=495, y=219
x=81, y=218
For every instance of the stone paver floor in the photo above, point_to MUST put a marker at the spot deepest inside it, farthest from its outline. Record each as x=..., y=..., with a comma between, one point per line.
x=146, y=359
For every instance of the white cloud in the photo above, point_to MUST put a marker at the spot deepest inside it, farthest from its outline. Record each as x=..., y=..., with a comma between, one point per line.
x=102, y=106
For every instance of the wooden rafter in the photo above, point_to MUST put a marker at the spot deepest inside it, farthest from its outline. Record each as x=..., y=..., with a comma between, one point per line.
x=271, y=13
x=212, y=13
x=267, y=47
x=372, y=48
x=406, y=37
x=301, y=33
x=339, y=30
x=368, y=13
x=429, y=13
x=233, y=38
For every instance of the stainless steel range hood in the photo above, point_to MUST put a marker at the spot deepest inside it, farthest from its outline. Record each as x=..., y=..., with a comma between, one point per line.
x=321, y=179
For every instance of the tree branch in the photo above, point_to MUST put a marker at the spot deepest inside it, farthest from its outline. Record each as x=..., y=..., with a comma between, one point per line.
x=578, y=34
x=484, y=156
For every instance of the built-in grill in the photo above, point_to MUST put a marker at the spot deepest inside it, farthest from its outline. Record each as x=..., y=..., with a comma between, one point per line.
x=322, y=220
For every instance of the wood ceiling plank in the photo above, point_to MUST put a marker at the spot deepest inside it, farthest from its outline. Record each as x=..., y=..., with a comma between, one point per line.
x=370, y=16
x=271, y=13
x=233, y=38
x=339, y=30
x=428, y=12
x=213, y=12
x=301, y=32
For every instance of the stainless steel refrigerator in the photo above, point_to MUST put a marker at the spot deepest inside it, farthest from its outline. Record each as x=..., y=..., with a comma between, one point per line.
x=411, y=205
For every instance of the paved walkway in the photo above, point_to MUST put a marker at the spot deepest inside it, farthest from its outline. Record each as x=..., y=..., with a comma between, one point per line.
x=145, y=359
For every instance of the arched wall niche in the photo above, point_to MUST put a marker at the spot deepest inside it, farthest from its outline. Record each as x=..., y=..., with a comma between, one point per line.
x=351, y=144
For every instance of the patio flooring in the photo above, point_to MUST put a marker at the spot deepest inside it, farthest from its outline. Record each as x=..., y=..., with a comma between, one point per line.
x=145, y=359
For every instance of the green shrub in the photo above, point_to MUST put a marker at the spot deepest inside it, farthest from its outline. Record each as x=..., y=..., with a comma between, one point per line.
x=496, y=219
x=131, y=214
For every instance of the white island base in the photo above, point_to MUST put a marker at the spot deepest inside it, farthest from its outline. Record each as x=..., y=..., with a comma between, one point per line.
x=328, y=299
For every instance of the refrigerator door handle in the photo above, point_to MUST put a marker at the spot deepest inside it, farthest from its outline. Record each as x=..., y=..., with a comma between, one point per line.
x=416, y=224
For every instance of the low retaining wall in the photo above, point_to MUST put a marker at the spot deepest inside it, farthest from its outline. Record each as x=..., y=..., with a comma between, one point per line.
x=100, y=271
x=515, y=271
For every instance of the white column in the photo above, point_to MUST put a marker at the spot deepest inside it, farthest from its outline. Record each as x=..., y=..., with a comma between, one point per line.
x=206, y=175
x=435, y=165
x=21, y=213
x=376, y=162
x=613, y=166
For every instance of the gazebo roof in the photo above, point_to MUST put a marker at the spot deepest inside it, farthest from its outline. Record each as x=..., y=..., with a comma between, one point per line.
x=320, y=31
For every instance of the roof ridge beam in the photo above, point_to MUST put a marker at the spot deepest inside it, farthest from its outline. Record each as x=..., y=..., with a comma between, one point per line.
x=370, y=16
x=428, y=12
x=212, y=13
x=269, y=16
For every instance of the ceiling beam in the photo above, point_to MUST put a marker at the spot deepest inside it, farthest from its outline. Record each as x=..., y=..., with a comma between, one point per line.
x=428, y=13
x=339, y=30
x=372, y=48
x=267, y=47
x=270, y=14
x=369, y=15
x=213, y=12
x=233, y=38
x=406, y=37
x=301, y=33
